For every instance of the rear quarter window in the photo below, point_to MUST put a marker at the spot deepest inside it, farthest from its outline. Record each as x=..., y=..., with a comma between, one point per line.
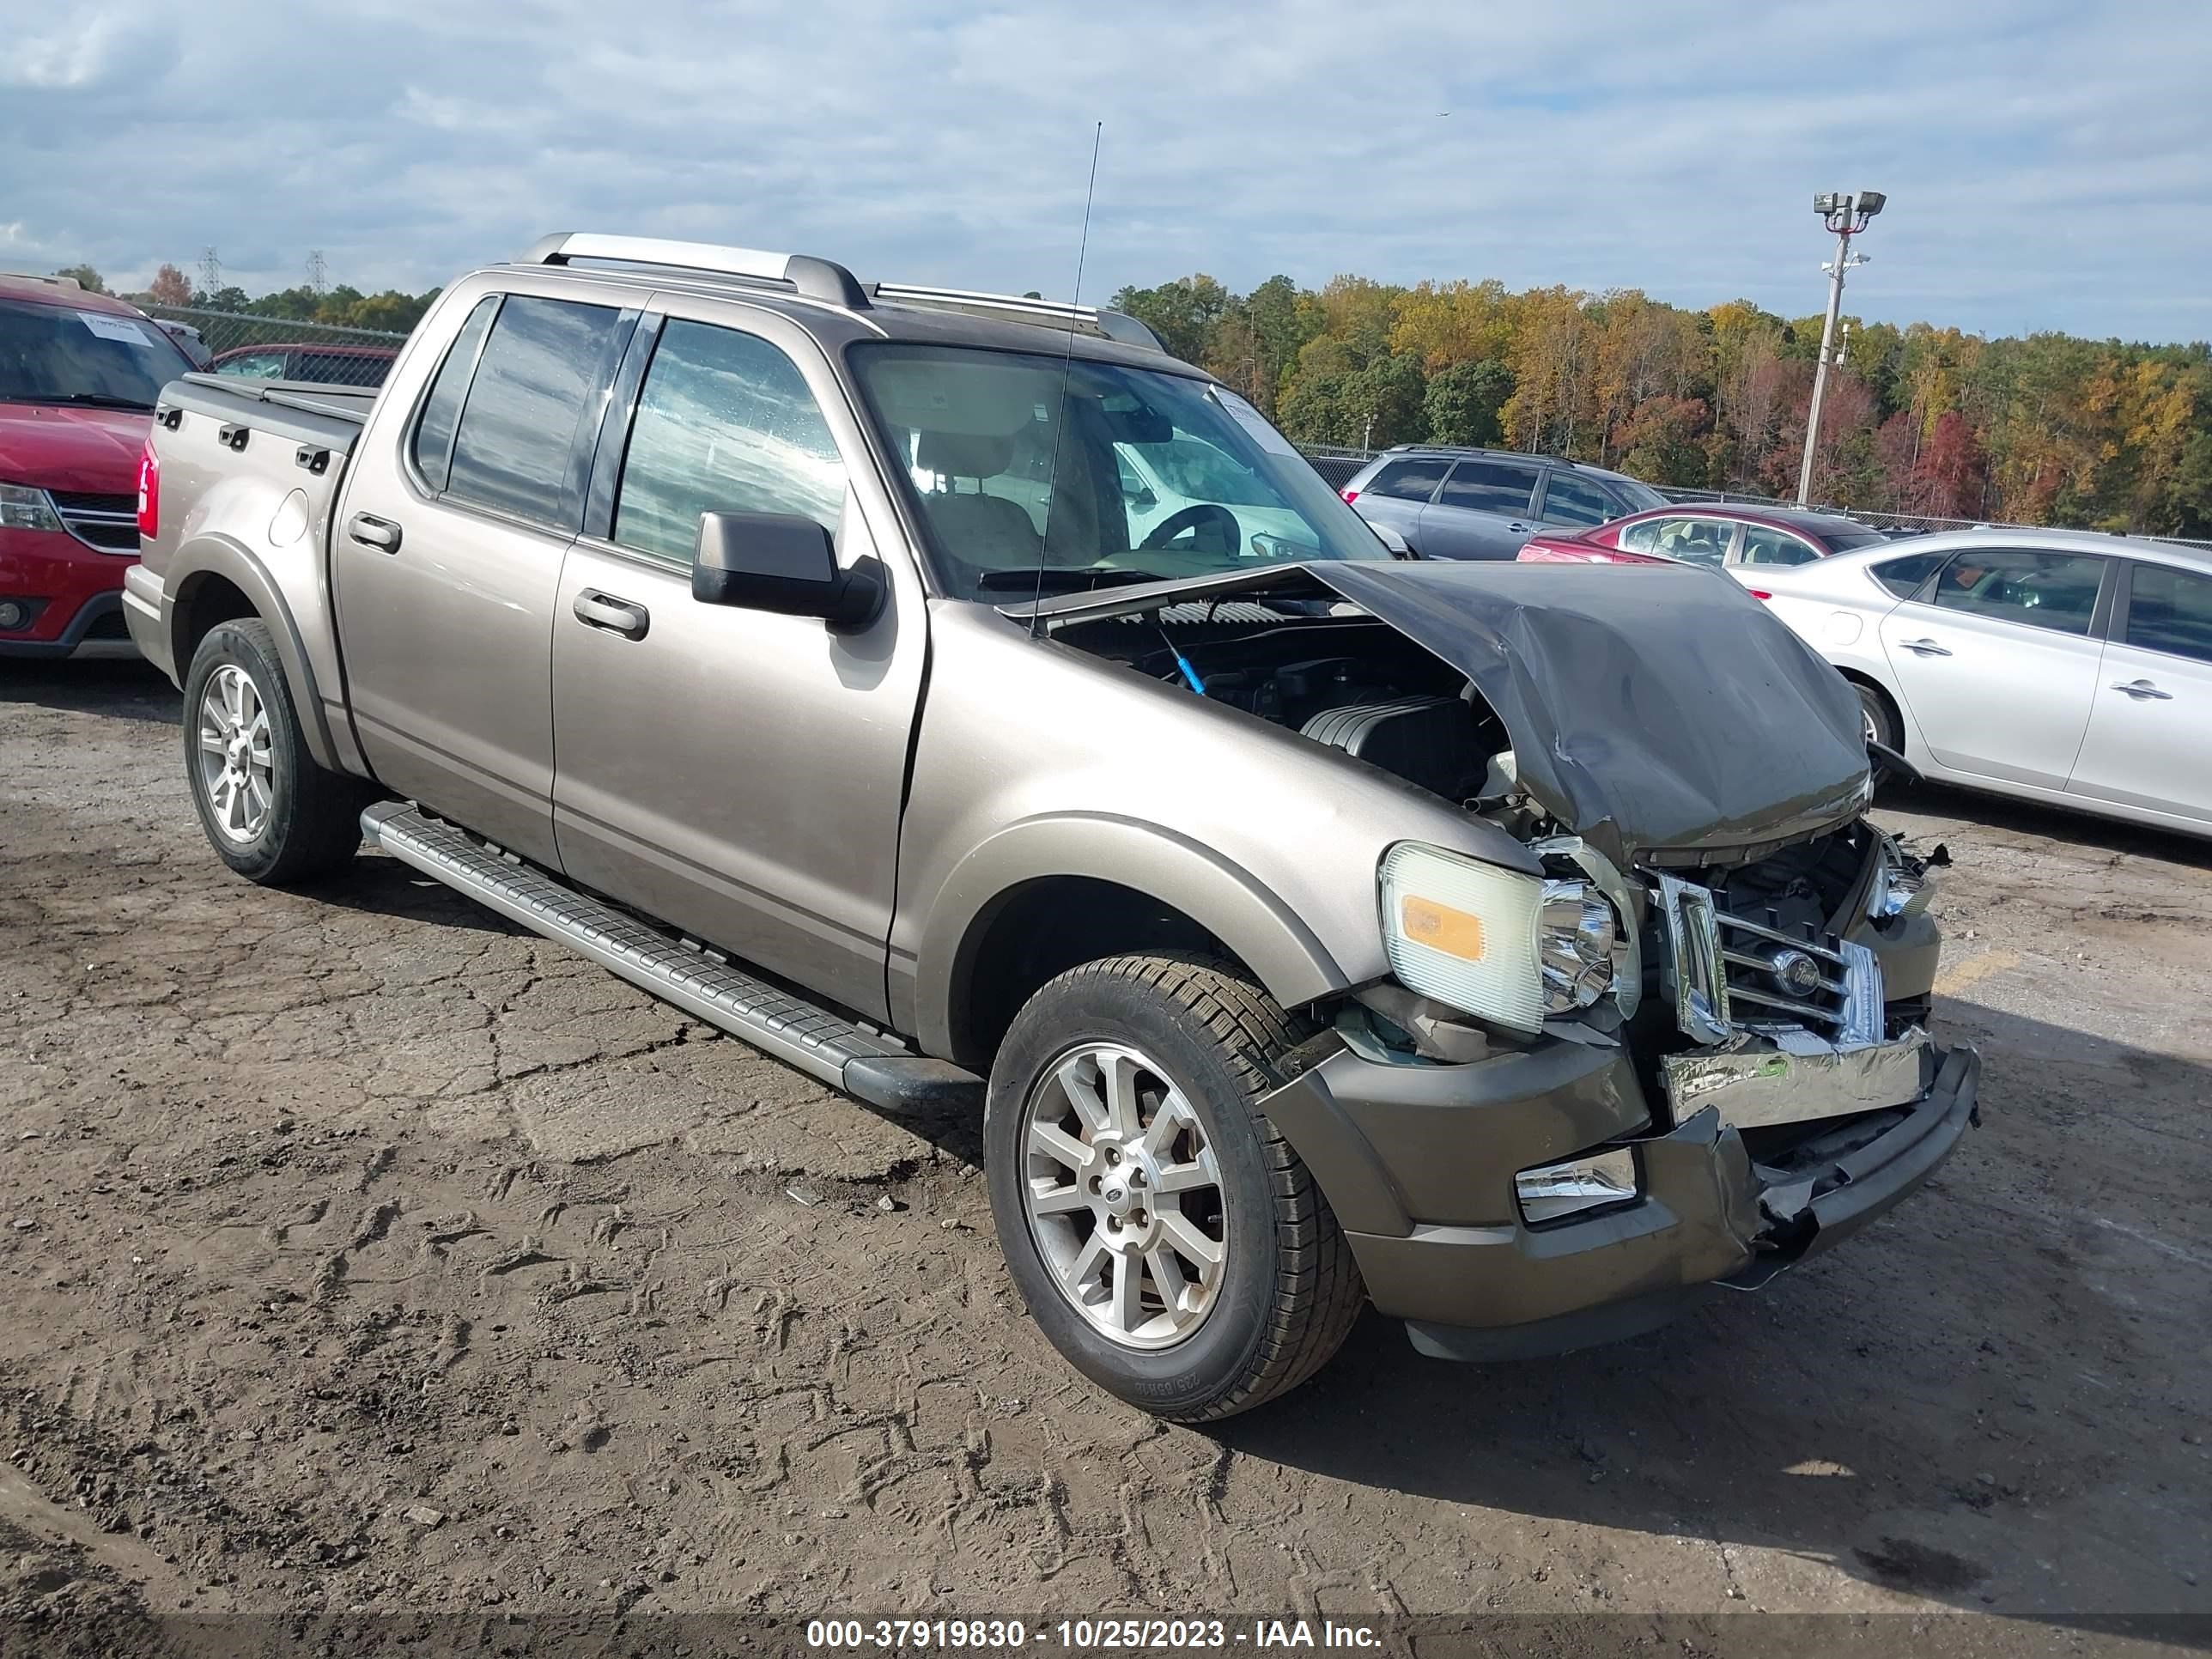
x=1407, y=480
x=433, y=446
x=1903, y=576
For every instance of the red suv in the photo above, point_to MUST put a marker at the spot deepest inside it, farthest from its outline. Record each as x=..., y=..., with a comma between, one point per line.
x=79, y=376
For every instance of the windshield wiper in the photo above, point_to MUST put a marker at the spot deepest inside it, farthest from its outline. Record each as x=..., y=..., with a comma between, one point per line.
x=1061, y=579
x=91, y=400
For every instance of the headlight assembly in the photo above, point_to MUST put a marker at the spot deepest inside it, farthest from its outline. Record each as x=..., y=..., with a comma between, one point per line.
x=23, y=506
x=1897, y=890
x=1503, y=946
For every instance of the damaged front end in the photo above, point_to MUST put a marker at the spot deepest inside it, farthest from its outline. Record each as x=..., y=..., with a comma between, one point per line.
x=1685, y=1045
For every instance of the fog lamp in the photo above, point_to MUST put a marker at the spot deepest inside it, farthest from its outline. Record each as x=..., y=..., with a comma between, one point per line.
x=1593, y=1181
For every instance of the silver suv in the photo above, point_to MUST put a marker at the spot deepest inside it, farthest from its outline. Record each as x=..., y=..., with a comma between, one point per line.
x=1451, y=503
x=964, y=700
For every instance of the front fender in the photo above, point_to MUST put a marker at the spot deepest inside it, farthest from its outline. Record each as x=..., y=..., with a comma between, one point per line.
x=1222, y=897
x=210, y=558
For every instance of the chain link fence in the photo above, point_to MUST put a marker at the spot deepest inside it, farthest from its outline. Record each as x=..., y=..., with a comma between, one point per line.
x=279, y=348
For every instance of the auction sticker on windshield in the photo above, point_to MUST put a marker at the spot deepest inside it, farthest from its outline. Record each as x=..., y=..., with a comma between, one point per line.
x=111, y=328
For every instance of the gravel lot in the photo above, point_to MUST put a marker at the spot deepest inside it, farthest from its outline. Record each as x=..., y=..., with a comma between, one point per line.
x=360, y=1251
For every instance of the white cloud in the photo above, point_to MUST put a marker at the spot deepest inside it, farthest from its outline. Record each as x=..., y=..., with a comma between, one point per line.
x=2045, y=162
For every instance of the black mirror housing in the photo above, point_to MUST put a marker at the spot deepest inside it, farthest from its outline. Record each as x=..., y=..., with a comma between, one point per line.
x=781, y=563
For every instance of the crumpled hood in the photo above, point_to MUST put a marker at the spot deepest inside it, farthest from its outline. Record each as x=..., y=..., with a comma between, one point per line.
x=1649, y=708
x=56, y=446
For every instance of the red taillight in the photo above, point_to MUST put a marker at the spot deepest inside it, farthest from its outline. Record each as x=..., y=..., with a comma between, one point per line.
x=149, y=493
x=1350, y=496
x=1758, y=593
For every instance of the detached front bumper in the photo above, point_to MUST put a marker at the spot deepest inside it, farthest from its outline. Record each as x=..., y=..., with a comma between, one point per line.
x=1393, y=1143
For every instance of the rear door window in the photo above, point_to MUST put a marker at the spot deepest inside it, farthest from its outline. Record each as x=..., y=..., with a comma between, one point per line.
x=1577, y=502
x=542, y=371
x=432, y=448
x=1694, y=541
x=1506, y=486
x=1408, y=480
x=2170, y=611
x=1764, y=544
x=2057, y=592
x=726, y=424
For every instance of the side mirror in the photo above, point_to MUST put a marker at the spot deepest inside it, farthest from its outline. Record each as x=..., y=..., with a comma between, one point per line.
x=781, y=563
x=1399, y=548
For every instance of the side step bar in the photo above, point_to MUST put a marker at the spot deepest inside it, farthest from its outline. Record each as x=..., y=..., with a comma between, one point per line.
x=773, y=1021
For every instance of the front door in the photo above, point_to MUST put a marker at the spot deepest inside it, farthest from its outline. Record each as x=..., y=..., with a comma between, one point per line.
x=1997, y=664
x=733, y=773
x=445, y=559
x=2150, y=728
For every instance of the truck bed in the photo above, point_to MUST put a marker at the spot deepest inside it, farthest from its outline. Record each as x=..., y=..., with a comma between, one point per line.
x=330, y=416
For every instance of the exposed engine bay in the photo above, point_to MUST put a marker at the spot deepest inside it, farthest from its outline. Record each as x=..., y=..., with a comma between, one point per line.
x=1351, y=684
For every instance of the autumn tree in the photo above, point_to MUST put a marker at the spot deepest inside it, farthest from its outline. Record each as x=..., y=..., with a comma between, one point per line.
x=170, y=286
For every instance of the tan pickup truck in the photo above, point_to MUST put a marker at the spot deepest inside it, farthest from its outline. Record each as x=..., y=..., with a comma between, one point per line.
x=964, y=700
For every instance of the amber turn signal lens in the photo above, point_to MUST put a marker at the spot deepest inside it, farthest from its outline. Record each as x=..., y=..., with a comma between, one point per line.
x=1440, y=927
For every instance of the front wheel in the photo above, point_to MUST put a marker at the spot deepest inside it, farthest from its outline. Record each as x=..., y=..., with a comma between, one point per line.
x=271, y=812
x=1167, y=1239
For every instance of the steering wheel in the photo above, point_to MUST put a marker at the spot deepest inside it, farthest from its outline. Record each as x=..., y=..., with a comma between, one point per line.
x=1190, y=518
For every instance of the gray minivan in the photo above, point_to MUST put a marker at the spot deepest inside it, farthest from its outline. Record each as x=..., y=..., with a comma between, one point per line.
x=1451, y=503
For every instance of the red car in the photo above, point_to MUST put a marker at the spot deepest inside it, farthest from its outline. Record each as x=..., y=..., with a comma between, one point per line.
x=329, y=365
x=1737, y=538
x=79, y=376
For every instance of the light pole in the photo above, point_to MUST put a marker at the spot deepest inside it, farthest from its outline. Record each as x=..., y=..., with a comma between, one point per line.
x=1845, y=216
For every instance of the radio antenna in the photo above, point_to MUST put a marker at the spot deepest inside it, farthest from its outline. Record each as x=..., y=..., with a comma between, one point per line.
x=1066, y=368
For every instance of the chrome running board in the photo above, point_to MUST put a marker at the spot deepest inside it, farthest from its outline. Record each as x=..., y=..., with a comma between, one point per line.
x=773, y=1021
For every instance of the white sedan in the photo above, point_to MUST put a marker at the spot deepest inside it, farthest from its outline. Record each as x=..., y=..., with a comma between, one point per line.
x=2056, y=665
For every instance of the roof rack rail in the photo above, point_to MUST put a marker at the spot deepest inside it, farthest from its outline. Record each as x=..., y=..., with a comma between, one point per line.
x=815, y=279
x=1108, y=324
x=56, y=280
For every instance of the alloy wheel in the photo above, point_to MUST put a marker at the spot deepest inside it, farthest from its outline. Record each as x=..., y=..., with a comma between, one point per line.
x=1123, y=1195
x=235, y=761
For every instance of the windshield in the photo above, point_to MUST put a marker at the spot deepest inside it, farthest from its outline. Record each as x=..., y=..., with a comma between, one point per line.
x=1008, y=486
x=1642, y=497
x=59, y=355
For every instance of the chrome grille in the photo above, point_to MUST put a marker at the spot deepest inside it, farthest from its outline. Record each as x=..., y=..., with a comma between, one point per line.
x=109, y=523
x=1728, y=973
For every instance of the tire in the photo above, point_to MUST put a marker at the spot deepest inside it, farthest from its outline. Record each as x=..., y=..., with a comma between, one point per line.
x=1879, y=716
x=291, y=820
x=1199, y=1045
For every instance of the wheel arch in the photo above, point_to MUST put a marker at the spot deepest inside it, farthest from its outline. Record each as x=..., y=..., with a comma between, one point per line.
x=214, y=581
x=1048, y=894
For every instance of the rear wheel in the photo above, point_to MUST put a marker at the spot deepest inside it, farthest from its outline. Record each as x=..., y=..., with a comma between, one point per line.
x=271, y=812
x=1167, y=1240
x=1877, y=724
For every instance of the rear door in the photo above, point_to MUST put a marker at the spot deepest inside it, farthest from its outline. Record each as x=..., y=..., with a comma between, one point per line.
x=1997, y=664
x=1398, y=492
x=2149, y=743
x=735, y=773
x=446, y=560
x=1485, y=510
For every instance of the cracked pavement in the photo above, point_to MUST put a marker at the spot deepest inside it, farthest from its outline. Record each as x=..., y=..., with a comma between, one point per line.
x=321, y=1212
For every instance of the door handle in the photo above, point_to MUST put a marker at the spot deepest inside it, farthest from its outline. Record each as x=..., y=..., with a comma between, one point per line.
x=1520, y=529
x=2142, y=691
x=597, y=609
x=1925, y=647
x=372, y=532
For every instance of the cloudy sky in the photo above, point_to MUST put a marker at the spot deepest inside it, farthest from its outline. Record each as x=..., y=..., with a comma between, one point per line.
x=2049, y=165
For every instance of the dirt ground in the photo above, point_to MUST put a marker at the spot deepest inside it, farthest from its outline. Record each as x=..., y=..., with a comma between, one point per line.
x=362, y=1255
